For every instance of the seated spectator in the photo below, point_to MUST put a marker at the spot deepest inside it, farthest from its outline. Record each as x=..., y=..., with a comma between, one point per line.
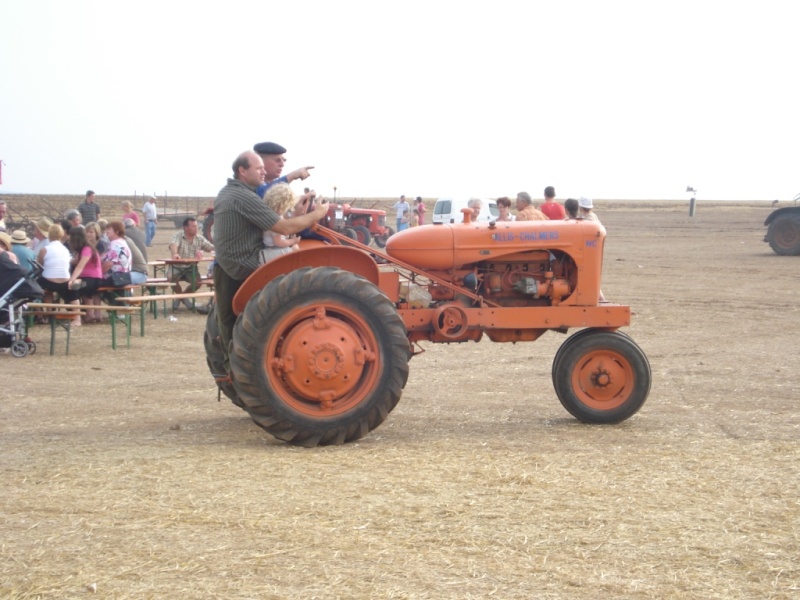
x=526, y=211
x=95, y=237
x=55, y=276
x=74, y=217
x=40, y=235
x=19, y=246
x=87, y=273
x=186, y=243
x=137, y=235
x=279, y=198
x=504, y=207
x=138, y=263
x=117, y=257
x=5, y=246
x=103, y=225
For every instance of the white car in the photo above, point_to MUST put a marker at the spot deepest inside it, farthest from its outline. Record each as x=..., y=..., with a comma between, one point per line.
x=448, y=210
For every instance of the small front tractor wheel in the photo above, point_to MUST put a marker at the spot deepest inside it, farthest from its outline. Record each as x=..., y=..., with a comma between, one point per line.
x=363, y=235
x=351, y=233
x=215, y=358
x=601, y=377
x=783, y=234
x=320, y=356
x=380, y=240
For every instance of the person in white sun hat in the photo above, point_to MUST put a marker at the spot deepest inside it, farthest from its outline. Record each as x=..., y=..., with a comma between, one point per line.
x=587, y=207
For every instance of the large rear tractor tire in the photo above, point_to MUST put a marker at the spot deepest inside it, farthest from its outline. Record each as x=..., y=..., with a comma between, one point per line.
x=215, y=358
x=601, y=377
x=783, y=234
x=320, y=356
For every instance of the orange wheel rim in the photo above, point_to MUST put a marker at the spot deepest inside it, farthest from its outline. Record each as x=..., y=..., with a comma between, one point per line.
x=322, y=360
x=603, y=379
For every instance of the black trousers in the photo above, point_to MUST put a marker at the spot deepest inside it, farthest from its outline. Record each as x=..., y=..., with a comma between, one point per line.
x=225, y=288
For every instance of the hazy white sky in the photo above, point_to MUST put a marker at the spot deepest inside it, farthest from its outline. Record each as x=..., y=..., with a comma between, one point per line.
x=607, y=99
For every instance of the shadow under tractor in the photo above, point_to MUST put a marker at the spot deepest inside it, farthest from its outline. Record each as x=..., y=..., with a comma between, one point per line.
x=321, y=347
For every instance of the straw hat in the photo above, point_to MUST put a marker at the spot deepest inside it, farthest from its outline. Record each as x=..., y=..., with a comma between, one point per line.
x=19, y=237
x=5, y=239
x=43, y=225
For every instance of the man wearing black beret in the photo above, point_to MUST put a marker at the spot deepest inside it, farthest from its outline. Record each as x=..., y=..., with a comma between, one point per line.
x=272, y=155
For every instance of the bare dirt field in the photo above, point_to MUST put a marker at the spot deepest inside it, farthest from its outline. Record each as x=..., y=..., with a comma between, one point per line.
x=123, y=474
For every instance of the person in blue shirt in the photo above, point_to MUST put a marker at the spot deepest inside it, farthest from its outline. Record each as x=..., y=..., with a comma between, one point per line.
x=20, y=247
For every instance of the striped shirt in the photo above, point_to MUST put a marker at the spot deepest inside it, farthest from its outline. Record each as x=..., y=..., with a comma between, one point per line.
x=89, y=212
x=240, y=219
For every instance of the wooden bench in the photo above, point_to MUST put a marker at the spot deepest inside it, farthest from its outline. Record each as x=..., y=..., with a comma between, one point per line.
x=140, y=301
x=62, y=315
x=151, y=287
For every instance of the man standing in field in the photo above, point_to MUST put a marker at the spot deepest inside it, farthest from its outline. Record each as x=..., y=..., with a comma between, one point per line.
x=150, y=214
x=89, y=209
x=240, y=220
x=551, y=208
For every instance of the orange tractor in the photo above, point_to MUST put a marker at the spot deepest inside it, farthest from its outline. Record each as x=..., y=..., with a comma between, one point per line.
x=322, y=343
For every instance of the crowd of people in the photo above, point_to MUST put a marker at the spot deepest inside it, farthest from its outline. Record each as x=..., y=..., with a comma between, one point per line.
x=550, y=209
x=81, y=253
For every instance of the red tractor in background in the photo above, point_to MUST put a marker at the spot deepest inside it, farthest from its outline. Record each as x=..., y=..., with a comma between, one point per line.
x=324, y=335
x=361, y=224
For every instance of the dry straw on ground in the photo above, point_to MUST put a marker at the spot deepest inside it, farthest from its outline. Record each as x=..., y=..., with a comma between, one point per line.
x=120, y=469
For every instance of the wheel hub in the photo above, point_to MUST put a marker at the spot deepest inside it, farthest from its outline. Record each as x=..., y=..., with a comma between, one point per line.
x=601, y=379
x=321, y=359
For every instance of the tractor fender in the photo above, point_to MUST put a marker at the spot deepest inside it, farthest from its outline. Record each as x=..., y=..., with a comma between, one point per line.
x=782, y=211
x=344, y=257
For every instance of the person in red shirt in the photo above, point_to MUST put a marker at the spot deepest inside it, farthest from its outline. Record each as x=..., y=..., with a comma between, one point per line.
x=553, y=210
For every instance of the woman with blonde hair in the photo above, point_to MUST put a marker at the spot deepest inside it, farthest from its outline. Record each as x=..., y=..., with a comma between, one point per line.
x=129, y=213
x=55, y=277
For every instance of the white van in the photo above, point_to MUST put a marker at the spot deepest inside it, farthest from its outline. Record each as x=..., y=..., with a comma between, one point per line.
x=448, y=210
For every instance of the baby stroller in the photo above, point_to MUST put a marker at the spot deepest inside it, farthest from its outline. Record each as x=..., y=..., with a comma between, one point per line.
x=16, y=288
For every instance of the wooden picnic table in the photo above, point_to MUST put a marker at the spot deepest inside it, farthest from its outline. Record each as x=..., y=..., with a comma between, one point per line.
x=189, y=263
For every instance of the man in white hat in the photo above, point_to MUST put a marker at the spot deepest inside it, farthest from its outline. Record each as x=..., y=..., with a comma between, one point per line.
x=586, y=207
x=150, y=217
x=19, y=246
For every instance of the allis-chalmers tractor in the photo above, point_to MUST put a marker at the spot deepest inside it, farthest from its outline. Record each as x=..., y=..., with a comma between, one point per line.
x=324, y=335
